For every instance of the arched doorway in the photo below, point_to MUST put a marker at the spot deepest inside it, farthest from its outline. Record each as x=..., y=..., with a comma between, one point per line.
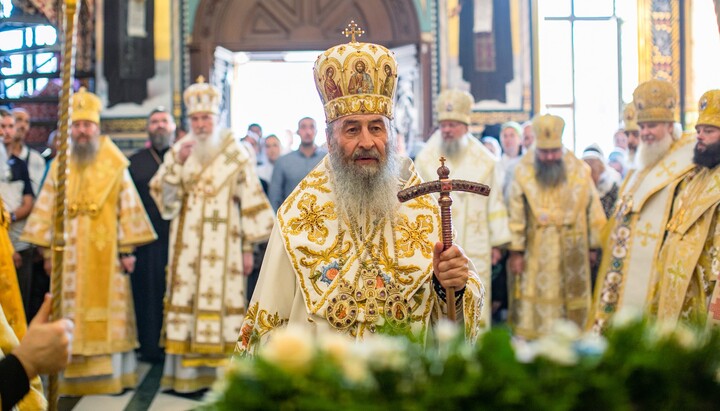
x=294, y=25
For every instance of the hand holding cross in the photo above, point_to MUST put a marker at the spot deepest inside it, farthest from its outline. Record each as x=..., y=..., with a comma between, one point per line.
x=444, y=186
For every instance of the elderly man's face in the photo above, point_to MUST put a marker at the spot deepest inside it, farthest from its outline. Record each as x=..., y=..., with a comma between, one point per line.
x=651, y=133
x=452, y=130
x=202, y=124
x=362, y=139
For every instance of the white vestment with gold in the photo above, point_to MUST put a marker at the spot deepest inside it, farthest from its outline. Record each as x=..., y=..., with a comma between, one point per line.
x=636, y=232
x=480, y=223
x=218, y=210
x=325, y=272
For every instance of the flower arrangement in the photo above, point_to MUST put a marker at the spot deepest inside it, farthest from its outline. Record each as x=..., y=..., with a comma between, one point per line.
x=638, y=366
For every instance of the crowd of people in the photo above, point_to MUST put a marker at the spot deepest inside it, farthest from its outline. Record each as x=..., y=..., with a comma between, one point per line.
x=202, y=246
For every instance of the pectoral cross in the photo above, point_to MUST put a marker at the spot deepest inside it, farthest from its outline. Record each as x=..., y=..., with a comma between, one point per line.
x=371, y=294
x=444, y=186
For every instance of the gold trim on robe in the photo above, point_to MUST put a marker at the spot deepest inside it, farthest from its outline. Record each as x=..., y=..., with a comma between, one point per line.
x=635, y=234
x=324, y=271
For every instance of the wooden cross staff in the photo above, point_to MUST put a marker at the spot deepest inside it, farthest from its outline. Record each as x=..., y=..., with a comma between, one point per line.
x=444, y=186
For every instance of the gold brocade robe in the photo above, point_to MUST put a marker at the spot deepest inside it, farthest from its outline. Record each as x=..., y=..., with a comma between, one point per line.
x=218, y=211
x=323, y=271
x=635, y=233
x=33, y=400
x=688, y=266
x=480, y=222
x=104, y=216
x=10, y=298
x=555, y=228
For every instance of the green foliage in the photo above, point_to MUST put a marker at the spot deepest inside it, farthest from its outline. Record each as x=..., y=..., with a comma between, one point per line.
x=644, y=367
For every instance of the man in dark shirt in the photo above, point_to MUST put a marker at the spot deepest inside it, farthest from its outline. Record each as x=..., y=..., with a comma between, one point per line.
x=291, y=168
x=148, y=279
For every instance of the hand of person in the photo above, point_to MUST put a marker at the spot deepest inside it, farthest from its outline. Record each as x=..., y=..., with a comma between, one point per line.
x=186, y=146
x=516, y=262
x=17, y=259
x=248, y=262
x=46, y=347
x=128, y=263
x=496, y=255
x=451, y=266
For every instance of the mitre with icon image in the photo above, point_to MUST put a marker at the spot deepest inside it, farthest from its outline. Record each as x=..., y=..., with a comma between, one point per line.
x=356, y=78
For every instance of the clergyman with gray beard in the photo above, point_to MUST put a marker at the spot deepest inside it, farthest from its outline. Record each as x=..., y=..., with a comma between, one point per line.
x=345, y=253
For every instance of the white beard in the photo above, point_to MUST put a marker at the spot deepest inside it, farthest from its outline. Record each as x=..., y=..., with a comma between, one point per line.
x=205, y=149
x=649, y=154
x=360, y=193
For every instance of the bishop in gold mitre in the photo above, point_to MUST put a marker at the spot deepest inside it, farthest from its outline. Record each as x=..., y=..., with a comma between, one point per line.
x=555, y=221
x=105, y=222
x=637, y=227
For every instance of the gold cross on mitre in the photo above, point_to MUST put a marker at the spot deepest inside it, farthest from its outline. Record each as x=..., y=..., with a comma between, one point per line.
x=352, y=30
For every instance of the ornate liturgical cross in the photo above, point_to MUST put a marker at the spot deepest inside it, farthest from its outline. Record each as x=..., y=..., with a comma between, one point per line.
x=353, y=30
x=444, y=186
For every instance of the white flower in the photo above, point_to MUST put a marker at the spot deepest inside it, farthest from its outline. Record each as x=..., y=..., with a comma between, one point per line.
x=355, y=370
x=382, y=352
x=566, y=330
x=591, y=345
x=686, y=337
x=290, y=349
x=446, y=331
x=556, y=350
x=336, y=346
x=626, y=316
x=524, y=351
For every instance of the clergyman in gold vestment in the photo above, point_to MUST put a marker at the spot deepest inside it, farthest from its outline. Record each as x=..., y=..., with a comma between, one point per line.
x=555, y=221
x=686, y=275
x=636, y=231
x=105, y=221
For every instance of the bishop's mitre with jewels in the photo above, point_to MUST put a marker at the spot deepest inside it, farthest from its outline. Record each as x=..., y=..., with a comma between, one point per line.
x=356, y=78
